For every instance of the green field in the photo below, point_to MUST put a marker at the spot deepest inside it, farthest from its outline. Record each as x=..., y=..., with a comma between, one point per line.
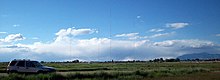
x=124, y=71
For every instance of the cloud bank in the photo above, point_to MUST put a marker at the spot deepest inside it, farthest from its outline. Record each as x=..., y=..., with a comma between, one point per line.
x=65, y=47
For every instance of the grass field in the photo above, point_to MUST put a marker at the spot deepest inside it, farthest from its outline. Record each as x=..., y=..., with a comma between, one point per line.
x=124, y=71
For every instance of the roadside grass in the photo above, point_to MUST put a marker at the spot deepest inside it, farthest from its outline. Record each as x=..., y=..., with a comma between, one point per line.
x=124, y=71
x=100, y=75
x=3, y=67
x=63, y=67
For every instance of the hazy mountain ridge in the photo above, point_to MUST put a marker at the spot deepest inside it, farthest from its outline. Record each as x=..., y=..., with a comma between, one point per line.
x=201, y=56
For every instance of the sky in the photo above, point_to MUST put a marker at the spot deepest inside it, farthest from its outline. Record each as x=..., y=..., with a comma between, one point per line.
x=104, y=30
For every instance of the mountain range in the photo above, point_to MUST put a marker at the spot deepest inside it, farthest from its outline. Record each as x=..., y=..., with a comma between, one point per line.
x=201, y=56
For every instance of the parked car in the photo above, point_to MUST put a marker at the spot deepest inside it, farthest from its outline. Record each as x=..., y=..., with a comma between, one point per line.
x=27, y=66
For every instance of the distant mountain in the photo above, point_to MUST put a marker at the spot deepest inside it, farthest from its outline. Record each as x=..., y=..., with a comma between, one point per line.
x=201, y=56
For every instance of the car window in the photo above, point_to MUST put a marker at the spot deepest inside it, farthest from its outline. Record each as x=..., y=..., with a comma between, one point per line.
x=21, y=63
x=30, y=64
x=13, y=63
x=37, y=64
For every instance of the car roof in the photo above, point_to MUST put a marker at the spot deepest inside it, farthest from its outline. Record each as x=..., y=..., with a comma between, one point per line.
x=22, y=60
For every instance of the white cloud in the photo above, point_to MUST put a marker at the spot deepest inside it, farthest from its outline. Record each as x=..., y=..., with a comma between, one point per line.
x=13, y=37
x=75, y=32
x=161, y=35
x=2, y=40
x=99, y=49
x=177, y=25
x=138, y=17
x=133, y=36
x=3, y=32
x=16, y=25
x=66, y=33
x=128, y=59
x=139, y=20
x=68, y=48
x=156, y=30
x=129, y=35
x=217, y=35
x=164, y=43
x=185, y=43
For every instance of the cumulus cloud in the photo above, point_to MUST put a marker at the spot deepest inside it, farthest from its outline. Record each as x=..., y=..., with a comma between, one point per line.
x=75, y=32
x=99, y=49
x=70, y=48
x=13, y=37
x=66, y=33
x=86, y=49
x=177, y=25
x=1, y=40
x=156, y=30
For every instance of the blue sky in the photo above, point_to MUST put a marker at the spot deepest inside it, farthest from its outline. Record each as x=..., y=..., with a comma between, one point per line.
x=28, y=25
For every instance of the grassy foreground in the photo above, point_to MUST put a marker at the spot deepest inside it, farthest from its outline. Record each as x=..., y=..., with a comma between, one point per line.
x=127, y=71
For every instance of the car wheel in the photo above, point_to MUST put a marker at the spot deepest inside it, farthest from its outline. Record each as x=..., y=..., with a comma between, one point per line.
x=13, y=71
x=39, y=72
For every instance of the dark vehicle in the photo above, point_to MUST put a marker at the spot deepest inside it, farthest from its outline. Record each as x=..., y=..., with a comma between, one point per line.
x=28, y=66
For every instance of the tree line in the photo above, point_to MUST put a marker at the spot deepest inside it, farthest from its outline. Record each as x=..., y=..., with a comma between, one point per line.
x=136, y=61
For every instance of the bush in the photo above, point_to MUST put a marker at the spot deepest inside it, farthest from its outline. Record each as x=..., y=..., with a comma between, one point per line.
x=141, y=73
